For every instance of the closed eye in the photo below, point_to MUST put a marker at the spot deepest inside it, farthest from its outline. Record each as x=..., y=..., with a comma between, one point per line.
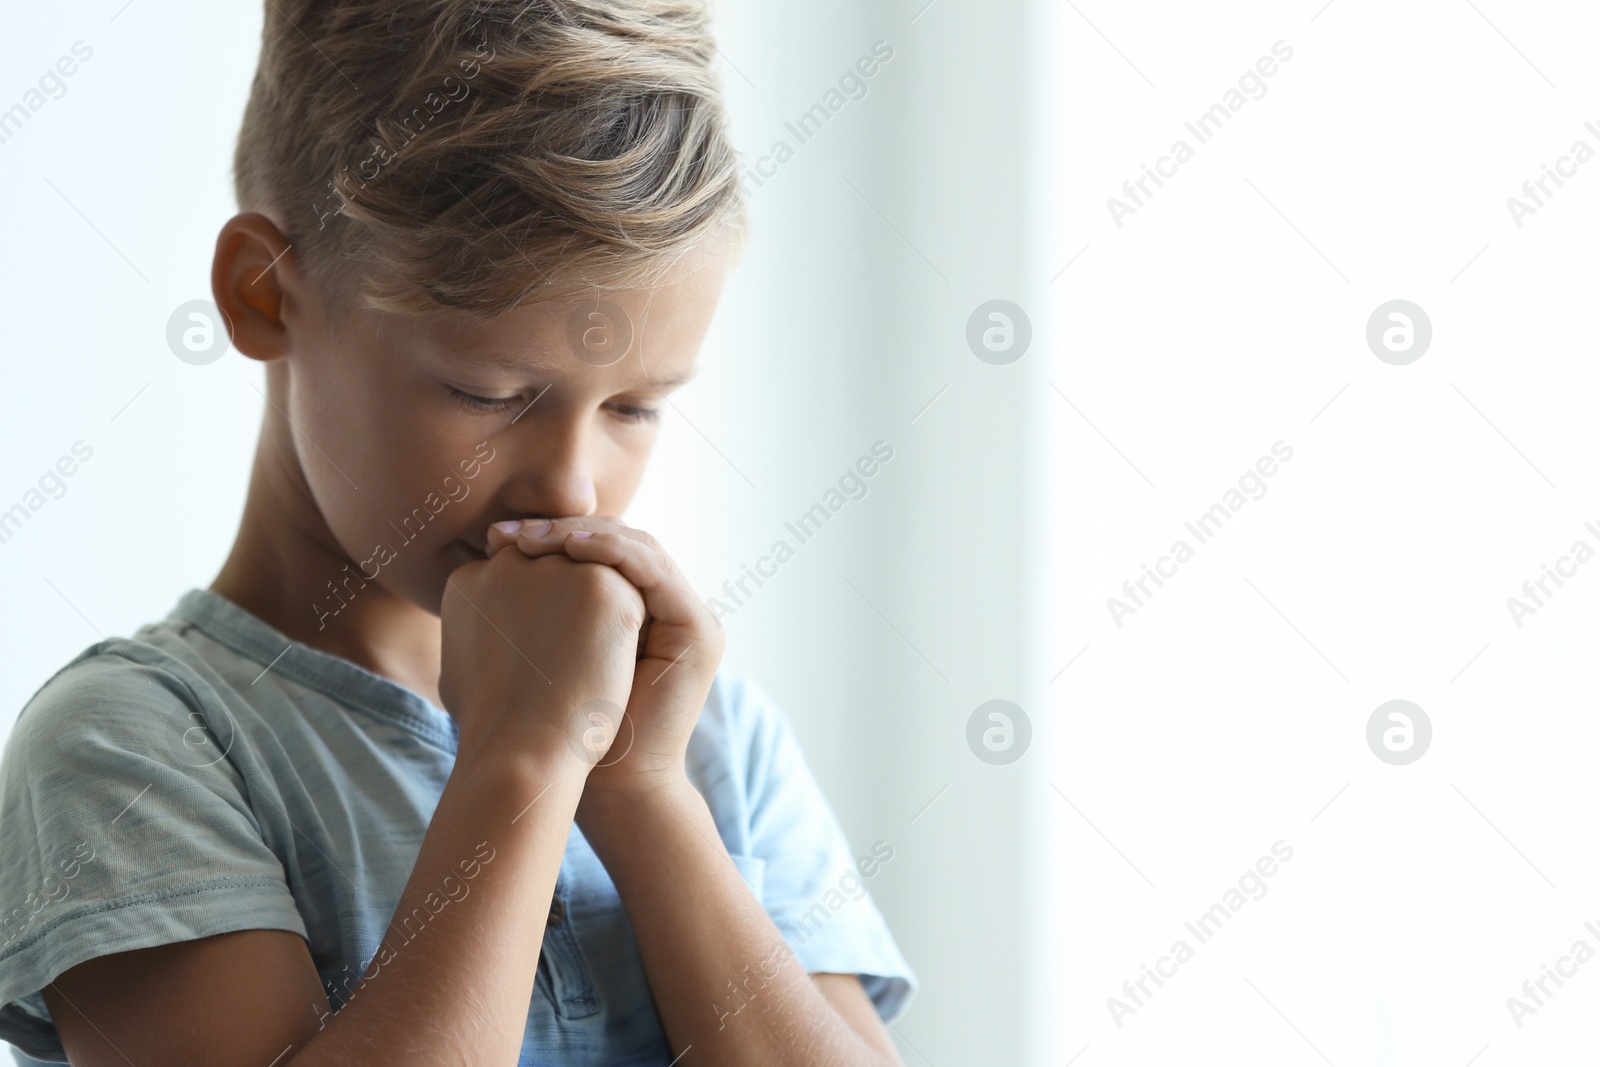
x=636, y=413
x=481, y=404
x=488, y=405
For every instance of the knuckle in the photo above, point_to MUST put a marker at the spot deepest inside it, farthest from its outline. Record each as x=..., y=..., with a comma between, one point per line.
x=712, y=635
x=598, y=581
x=596, y=577
x=618, y=592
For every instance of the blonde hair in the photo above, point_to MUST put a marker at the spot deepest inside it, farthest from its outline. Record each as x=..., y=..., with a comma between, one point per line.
x=422, y=155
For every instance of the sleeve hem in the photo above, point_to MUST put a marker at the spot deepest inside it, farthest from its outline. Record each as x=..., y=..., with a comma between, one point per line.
x=890, y=990
x=841, y=949
x=220, y=906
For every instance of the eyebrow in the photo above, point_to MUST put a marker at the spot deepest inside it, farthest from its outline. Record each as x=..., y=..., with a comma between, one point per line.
x=513, y=361
x=669, y=380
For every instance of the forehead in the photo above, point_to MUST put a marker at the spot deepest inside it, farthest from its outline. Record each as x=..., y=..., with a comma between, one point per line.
x=660, y=326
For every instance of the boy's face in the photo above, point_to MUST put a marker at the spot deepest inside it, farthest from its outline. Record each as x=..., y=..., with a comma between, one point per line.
x=415, y=434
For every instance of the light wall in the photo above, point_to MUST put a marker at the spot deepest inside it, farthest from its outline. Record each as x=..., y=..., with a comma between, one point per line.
x=874, y=243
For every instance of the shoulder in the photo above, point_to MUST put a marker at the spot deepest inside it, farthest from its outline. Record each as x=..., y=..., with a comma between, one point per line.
x=118, y=693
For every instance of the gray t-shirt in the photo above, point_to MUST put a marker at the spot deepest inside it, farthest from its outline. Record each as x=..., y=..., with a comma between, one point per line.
x=208, y=775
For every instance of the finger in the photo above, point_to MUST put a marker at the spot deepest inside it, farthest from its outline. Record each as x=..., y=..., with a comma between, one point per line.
x=506, y=533
x=667, y=596
x=679, y=631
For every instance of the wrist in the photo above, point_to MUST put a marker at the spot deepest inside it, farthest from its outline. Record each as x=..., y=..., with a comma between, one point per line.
x=628, y=801
x=521, y=770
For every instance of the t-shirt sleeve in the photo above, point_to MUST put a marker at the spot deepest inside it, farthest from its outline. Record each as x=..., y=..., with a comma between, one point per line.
x=812, y=885
x=121, y=828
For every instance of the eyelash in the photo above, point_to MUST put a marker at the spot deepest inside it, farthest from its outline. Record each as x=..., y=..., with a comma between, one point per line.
x=484, y=405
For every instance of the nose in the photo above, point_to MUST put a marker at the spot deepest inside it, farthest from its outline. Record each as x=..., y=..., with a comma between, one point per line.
x=552, y=472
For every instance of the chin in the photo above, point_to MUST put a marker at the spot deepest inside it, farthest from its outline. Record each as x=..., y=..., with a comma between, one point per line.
x=426, y=590
x=453, y=555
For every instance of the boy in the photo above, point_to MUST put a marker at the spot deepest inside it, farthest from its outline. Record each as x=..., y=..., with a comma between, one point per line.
x=440, y=768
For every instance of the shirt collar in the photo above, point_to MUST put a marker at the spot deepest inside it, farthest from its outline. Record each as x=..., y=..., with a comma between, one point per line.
x=339, y=678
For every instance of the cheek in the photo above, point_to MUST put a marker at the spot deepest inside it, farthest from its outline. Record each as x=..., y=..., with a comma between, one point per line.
x=617, y=479
x=376, y=456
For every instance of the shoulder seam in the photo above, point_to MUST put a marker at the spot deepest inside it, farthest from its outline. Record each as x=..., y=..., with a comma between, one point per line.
x=115, y=647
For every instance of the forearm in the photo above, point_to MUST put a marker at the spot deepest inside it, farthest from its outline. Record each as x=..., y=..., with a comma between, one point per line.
x=453, y=977
x=726, y=984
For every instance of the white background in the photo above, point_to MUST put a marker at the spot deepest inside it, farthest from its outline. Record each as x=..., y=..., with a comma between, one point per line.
x=1227, y=314
x=1230, y=712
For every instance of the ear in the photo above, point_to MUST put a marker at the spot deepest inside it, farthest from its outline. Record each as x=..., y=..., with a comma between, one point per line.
x=253, y=274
